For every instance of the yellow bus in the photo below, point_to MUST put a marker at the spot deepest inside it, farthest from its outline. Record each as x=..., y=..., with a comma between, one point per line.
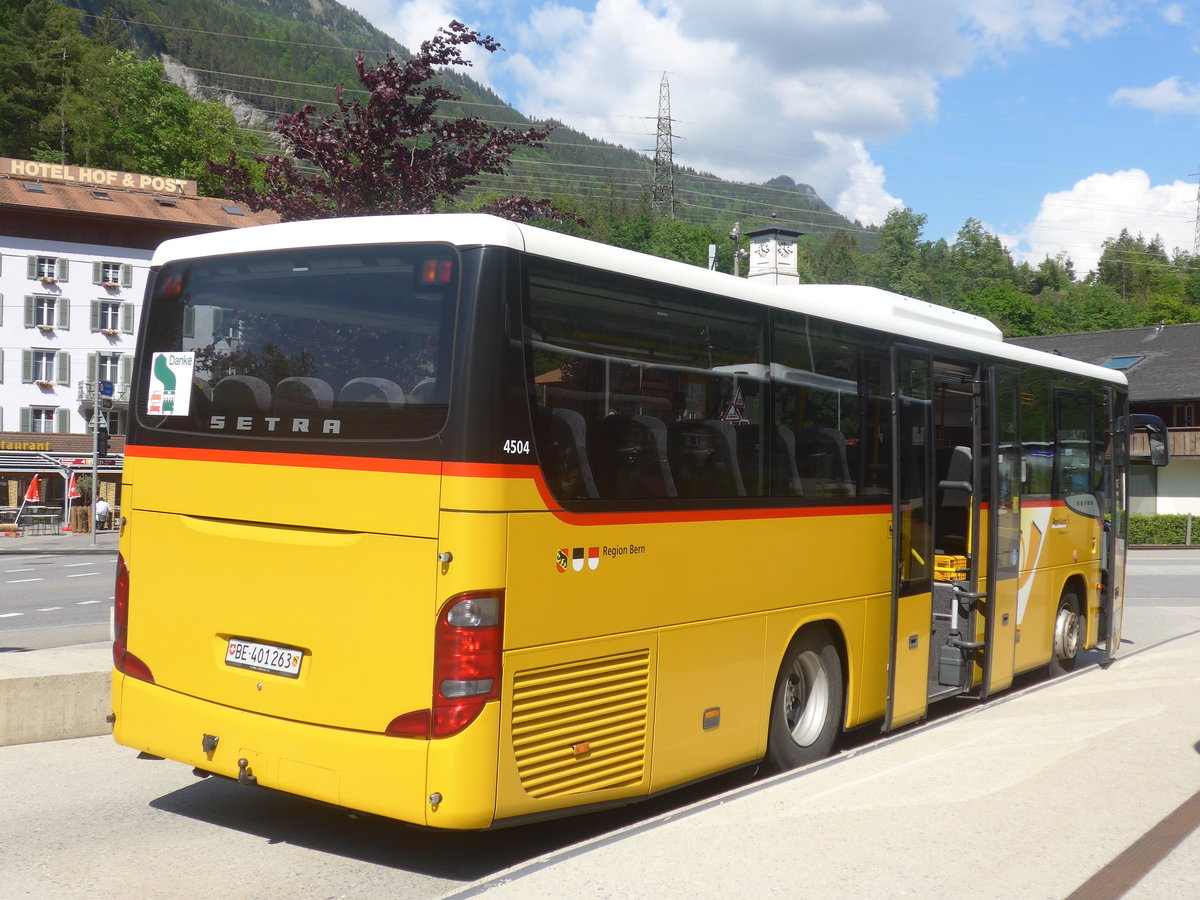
x=468, y=523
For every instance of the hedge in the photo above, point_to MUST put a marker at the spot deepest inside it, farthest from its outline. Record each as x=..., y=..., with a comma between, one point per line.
x=1163, y=530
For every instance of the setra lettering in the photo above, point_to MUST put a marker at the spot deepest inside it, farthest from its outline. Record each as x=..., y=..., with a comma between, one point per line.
x=275, y=424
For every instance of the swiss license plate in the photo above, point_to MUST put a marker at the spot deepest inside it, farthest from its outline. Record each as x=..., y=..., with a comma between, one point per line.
x=263, y=657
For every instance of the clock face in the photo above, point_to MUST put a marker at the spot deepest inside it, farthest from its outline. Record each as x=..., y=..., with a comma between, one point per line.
x=762, y=250
x=785, y=250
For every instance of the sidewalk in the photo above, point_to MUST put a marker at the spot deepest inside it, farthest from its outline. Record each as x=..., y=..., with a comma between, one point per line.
x=1029, y=795
x=67, y=542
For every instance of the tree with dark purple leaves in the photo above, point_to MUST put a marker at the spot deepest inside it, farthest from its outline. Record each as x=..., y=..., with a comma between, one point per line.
x=393, y=154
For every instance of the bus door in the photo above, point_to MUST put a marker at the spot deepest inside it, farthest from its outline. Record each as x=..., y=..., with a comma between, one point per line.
x=912, y=536
x=1116, y=514
x=1004, y=533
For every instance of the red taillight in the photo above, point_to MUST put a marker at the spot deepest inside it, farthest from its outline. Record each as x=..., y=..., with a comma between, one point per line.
x=123, y=660
x=466, y=666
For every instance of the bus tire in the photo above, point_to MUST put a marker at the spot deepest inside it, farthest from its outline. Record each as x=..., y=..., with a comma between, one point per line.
x=806, y=706
x=1068, y=637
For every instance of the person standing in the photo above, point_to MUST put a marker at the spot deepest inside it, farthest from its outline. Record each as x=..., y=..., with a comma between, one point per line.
x=102, y=512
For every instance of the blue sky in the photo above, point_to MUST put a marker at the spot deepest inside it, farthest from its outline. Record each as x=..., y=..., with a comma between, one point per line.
x=1056, y=123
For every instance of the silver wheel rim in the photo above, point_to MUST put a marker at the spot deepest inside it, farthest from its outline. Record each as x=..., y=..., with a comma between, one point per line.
x=806, y=698
x=1066, y=634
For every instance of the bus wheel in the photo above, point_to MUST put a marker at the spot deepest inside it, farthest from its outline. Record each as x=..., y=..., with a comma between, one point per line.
x=806, y=707
x=1067, y=636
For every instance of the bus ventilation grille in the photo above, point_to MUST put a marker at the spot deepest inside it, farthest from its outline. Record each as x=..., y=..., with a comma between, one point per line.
x=582, y=727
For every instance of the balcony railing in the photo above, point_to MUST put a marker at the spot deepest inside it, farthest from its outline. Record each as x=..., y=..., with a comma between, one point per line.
x=1181, y=443
x=87, y=392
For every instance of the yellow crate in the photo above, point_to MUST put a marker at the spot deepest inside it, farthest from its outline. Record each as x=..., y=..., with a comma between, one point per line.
x=949, y=568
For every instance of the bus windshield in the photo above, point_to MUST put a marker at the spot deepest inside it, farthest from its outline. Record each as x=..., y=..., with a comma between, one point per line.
x=334, y=343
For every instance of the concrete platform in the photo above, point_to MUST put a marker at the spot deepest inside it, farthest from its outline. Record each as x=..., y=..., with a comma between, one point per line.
x=1085, y=787
x=50, y=695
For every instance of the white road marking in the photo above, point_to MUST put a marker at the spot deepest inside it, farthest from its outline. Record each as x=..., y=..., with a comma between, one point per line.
x=49, y=608
x=24, y=580
x=10, y=615
x=86, y=602
x=83, y=574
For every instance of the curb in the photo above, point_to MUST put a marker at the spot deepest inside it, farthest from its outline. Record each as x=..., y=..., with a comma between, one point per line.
x=53, y=695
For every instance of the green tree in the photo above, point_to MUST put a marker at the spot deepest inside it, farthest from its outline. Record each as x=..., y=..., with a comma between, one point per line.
x=41, y=49
x=839, y=260
x=978, y=259
x=898, y=265
x=1012, y=310
x=172, y=134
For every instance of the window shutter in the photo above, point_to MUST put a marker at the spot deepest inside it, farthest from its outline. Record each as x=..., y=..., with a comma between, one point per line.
x=92, y=366
x=62, y=420
x=189, y=321
x=64, y=367
x=95, y=320
x=62, y=268
x=126, y=275
x=26, y=419
x=97, y=272
x=32, y=271
x=127, y=319
x=126, y=374
x=30, y=311
x=62, y=314
x=27, y=368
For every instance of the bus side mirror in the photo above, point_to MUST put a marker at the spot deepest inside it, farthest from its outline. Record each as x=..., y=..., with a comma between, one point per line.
x=1156, y=431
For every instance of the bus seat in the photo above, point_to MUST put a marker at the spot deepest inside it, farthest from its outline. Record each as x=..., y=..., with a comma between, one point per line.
x=578, y=430
x=704, y=460
x=376, y=391
x=785, y=477
x=821, y=461
x=953, y=503
x=423, y=391
x=628, y=457
x=657, y=429
x=241, y=392
x=562, y=452
x=303, y=393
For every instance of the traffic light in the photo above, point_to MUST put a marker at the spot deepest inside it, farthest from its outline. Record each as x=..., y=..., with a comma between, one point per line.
x=102, y=442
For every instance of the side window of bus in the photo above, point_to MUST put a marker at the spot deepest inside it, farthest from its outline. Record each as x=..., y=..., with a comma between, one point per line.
x=1073, y=458
x=642, y=392
x=1037, y=435
x=829, y=395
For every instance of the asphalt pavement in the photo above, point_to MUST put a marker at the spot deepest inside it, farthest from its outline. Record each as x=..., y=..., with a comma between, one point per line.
x=1083, y=787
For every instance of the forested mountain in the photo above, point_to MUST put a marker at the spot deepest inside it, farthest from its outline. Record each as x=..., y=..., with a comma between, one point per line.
x=276, y=56
x=84, y=83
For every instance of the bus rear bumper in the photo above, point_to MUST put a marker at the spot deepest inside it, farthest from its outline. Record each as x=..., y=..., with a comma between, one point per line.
x=372, y=773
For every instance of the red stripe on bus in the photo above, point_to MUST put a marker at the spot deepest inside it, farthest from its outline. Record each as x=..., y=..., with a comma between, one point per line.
x=493, y=470
x=292, y=460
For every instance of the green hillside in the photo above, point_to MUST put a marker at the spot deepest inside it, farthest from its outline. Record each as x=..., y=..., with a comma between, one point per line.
x=276, y=56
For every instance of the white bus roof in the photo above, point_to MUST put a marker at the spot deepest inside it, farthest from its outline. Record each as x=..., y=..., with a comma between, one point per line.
x=854, y=304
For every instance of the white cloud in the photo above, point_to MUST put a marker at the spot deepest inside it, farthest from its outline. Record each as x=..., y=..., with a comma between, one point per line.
x=758, y=88
x=1015, y=23
x=1171, y=95
x=412, y=22
x=1099, y=206
x=1173, y=13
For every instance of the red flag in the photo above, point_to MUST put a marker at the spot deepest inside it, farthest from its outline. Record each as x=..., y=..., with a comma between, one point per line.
x=73, y=489
x=34, y=494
